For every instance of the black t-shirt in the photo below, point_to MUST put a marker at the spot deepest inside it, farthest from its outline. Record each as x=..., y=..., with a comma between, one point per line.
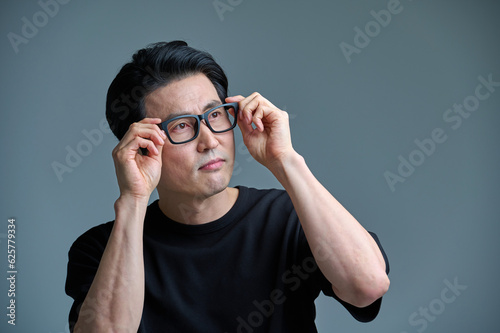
x=247, y=272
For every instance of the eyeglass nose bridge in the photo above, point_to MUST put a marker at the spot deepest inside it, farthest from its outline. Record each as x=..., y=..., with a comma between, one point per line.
x=204, y=116
x=202, y=119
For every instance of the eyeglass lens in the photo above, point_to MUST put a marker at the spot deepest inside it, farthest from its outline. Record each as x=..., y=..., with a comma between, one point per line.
x=185, y=128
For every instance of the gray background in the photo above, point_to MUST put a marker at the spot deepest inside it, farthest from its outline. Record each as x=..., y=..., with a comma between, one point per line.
x=351, y=121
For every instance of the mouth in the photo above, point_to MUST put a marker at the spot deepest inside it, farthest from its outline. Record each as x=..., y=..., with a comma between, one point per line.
x=214, y=164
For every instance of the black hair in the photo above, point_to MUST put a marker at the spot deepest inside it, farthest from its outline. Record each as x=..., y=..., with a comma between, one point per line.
x=153, y=67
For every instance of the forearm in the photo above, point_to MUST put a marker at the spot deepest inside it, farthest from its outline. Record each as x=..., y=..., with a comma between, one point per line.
x=115, y=300
x=353, y=262
x=345, y=252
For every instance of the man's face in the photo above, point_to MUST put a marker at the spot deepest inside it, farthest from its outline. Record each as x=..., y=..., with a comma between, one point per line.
x=202, y=167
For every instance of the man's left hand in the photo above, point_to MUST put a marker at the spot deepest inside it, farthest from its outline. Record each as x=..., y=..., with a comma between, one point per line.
x=268, y=139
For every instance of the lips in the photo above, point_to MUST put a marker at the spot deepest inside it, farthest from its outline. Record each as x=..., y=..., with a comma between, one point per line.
x=214, y=164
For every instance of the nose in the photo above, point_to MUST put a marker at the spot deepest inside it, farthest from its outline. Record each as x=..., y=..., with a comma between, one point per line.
x=206, y=138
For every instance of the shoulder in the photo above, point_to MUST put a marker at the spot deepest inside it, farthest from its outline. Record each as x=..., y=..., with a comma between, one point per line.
x=254, y=196
x=93, y=240
x=97, y=237
x=261, y=206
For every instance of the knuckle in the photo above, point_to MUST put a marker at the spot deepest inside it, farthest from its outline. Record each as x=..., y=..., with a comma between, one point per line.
x=133, y=126
x=117, y=148
x=116, y=154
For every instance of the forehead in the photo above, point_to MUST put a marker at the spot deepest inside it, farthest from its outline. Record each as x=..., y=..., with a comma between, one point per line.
x=187, y=95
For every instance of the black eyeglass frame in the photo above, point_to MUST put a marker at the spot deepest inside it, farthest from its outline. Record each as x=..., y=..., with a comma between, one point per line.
x=199, y=118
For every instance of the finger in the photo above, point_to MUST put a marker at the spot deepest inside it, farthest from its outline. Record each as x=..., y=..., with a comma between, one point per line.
x=148, y=131
x=251, y=104
x=257, y=109
x=262, y=99
x=234, y=99
x=147, y=134
x=246, y=112
x=156, y=121
x=129, y=150
x=150, y=121
x=147, y=144
x=245, y=128
x=237, y=99
x=258, y=121
x=159, y=148
x=257, y=118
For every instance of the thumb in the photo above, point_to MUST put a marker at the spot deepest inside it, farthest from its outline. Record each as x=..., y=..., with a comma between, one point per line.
x=160, y=150
x=246, y=127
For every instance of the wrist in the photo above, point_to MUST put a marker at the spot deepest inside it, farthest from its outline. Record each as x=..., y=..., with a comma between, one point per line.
x=130, y=208
x=131, y=201
x=289, y=165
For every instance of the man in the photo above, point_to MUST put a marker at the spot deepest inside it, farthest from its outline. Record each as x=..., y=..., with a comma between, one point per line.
x=206, y=257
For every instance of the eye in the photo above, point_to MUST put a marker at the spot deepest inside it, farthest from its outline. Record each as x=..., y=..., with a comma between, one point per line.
x=179, y=126
x=215, y=114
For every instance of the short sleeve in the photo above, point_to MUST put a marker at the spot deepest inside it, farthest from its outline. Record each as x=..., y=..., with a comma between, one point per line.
x=84, y=257
x=364, y=314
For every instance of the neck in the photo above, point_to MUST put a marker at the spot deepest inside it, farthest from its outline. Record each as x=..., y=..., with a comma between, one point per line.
x=196, y=209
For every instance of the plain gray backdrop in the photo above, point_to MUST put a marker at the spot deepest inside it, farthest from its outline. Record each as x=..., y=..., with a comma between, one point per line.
x=396, y=121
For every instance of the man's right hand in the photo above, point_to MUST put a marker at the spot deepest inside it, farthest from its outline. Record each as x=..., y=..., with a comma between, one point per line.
x=120, y=275
x=139, y=174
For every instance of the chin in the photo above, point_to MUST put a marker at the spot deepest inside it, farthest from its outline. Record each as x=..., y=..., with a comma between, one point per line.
x=214, y=186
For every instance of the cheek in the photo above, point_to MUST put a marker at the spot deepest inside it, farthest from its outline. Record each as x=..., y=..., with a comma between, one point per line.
x=229, y=142
x=175, y=162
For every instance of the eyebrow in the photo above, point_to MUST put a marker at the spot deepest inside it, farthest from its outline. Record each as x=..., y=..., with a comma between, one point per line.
x=213, y=103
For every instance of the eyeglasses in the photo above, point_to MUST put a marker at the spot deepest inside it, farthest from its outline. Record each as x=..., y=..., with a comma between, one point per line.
x=186, y=128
